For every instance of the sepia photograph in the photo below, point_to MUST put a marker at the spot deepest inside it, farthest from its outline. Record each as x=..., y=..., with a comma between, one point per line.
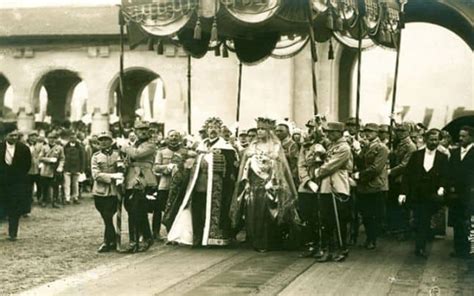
x=236, y=147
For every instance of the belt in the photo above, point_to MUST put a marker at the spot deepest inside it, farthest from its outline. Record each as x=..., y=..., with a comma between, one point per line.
x=142, y=165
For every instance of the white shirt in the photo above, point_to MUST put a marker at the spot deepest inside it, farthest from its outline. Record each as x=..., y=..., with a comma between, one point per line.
x=464, y=151
x=429, y=159
x=9, y=153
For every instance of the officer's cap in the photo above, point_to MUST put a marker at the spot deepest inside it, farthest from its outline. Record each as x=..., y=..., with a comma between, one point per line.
x=384, y=128
x=372, y=127
x=334, y=126
x=141, y=125
x=103, y=135
x=402, y=127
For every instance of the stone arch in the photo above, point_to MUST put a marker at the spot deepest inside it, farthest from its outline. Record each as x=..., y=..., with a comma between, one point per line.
x=5, y=112
x=454, y=15
x=136, y=79
x=59, y=85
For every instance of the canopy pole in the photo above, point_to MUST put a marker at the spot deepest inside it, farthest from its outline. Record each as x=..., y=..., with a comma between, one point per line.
x=189, y=94
x=359, y=65
x=239, y=91
x=314, y=58
x=395, y=78
x=121, y=71
x=394, y=93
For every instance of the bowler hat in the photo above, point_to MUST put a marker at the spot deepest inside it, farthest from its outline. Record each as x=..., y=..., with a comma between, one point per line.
x=334, y=126
x=373, y=127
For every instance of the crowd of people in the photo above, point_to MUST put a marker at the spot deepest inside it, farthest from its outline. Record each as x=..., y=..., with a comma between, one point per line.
x=283, y=187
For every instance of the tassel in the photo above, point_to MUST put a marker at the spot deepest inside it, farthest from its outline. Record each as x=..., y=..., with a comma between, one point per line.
x=160, y=47
x=150, y=43
x=197, y=30
x=225, y=51
x=331, y=51
x=339, y=24
x=217, y=50
x=214, y=34
x=330, y=21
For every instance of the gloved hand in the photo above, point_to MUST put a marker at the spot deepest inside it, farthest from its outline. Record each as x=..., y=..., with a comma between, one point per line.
x=313, y=186
x=356, y=176
x=402, y=198
x=59, y=170
x=117, y=176
x=440, y=191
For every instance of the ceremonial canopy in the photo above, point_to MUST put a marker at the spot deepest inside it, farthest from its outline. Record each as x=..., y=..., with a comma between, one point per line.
x=257, y=29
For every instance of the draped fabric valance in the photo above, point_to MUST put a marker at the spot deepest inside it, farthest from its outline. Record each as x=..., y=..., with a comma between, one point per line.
x=256, y=29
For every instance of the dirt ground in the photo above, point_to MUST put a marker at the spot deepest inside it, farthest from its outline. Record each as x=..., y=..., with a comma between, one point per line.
x=52, y=243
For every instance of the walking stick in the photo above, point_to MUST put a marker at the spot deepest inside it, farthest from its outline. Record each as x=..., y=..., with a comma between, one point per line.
x=119, y=218
x=336, y=214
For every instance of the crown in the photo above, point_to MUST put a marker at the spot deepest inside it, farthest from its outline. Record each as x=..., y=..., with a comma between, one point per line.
x=265, y=123
x=213, y=121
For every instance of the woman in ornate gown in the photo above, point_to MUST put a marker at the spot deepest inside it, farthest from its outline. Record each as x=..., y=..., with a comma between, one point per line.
x=265, y=195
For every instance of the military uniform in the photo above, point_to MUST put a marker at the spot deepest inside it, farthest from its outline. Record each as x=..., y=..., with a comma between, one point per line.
x=139, y=182
x=398, y=216
x=335, y=188
x=311, y=157
x=105, y=164
x=371, y=163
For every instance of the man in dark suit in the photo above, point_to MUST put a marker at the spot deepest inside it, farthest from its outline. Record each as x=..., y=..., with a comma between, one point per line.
x=461, y=191
x=424, y=183
x=15, y=161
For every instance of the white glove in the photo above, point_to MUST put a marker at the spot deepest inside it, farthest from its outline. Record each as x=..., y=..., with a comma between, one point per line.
x=269, y=185
x=150, y=197
x=402, y=198
x=356, y=176
x=313, y=186
x=440, y=191
x=117, y=176
x=53, y=159
x=316, y=172
x=119, y=181
x=59, y=170
x=356, y=146
x=171, y=166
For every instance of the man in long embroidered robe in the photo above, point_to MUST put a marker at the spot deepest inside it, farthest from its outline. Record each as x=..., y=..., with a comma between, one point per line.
x=203, y=217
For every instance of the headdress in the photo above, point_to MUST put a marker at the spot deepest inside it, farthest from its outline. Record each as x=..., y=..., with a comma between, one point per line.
x=265, y=123
x=213, y=121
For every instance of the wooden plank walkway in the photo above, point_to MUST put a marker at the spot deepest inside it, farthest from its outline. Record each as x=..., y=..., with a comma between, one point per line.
x=391, y=269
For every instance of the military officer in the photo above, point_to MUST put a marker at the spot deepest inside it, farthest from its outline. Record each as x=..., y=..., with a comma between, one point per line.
x=371, y=164
x=140, y=183
x=105, y=166
x=311, y=157
x=398, y=215
x=335, y=193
